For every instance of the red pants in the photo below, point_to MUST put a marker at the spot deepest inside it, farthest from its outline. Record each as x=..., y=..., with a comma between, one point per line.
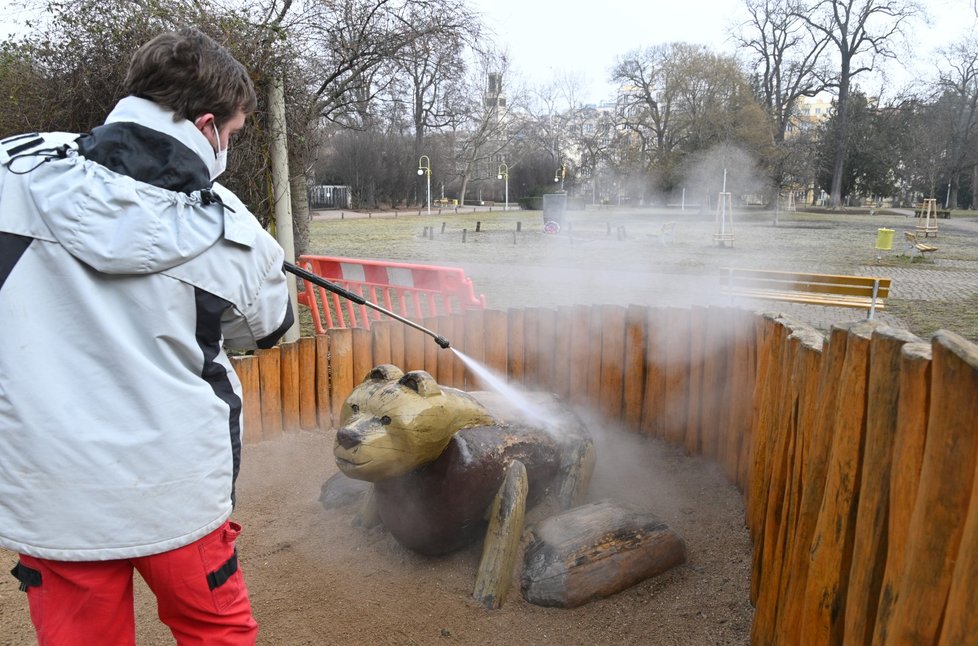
x=199, y=589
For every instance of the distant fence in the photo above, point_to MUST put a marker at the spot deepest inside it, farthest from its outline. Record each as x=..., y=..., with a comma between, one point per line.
x=330, y=197
x=856, y=454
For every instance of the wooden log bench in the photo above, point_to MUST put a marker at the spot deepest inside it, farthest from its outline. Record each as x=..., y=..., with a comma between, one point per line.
x=666, y=234
x=865, y=292
x=914, y=247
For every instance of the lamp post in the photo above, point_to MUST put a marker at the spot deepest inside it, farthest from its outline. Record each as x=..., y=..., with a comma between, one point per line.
x=424, y=168
x=503, y=174
x=559, y=175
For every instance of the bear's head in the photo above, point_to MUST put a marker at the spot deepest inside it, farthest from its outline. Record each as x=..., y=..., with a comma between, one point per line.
x=393, y=423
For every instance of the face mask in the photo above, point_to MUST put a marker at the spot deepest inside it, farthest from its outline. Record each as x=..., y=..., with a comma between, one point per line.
x=220, y=157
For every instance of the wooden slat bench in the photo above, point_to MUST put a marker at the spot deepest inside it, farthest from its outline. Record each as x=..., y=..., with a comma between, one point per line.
x=914, y=247
x=865, y=292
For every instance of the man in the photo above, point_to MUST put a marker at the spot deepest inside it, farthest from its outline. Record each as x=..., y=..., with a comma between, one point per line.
x=123, y=273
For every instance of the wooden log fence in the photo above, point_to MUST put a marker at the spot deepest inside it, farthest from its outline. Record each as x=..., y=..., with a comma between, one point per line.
x=856, y=453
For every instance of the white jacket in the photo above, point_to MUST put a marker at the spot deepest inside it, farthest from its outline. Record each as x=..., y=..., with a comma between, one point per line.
x=120, y=415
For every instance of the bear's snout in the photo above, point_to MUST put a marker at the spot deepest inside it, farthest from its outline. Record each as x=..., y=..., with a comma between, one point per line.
x=348, y=437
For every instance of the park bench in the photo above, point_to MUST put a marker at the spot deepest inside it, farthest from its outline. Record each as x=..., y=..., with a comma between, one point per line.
x=665, y=235
x=865, y=292
x=413, y=291
x=914, y=247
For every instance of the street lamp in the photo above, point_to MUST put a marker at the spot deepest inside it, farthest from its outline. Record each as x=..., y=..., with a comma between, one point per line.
x=504, y=175
x=424, y=168
x=559, y=175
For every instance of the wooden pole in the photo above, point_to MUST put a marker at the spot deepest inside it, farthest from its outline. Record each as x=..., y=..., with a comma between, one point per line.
x=781, y=507
x=633, y=367
x=823, y=618
x=270, y=371
x=594, y=358
x=944, y=496
x=307, y=383
x=612, y=360
x=563, y=342
x=414, y=349
x=475, y=346
x=290, y=385
x=580, y=353
x=531, y=347
x=380, y=343
x=674, y=345
x=281, y=189
x=495, y=326
x=546, y=334
x=343, y=379
x=363, y=356
x=654, y=398
x=693, y=440
x=813, y=487
x=908, y=455
x=517, y=346
x=247, y=370
x=870, y=542
x=324, y=409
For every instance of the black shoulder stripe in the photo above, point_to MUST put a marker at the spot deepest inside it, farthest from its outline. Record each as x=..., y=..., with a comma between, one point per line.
x=27, y=145
x=12, y=247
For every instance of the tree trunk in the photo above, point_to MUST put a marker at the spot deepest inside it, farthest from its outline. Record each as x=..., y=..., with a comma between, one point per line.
x=300, y=212
x=842, y=139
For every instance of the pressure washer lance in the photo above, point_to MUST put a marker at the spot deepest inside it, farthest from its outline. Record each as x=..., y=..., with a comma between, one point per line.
x=359, y=300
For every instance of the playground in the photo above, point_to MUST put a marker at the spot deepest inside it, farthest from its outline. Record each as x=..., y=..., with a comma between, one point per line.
x=317, y=579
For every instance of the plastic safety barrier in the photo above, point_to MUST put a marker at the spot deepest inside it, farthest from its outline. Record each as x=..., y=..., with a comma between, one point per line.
x=413, y=291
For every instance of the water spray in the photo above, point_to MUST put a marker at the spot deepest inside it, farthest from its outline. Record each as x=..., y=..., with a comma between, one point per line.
x=359, y=300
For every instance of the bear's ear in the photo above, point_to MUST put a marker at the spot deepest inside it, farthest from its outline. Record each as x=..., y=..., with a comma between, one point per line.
x=384, y=372
x=421, y=382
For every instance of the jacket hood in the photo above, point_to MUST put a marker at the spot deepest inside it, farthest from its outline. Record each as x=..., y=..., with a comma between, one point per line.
x=98, y=198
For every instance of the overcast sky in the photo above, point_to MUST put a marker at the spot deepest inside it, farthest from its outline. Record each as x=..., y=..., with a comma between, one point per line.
x=547, y=38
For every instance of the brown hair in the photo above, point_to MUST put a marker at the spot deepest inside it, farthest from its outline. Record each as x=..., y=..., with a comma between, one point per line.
x=187, y=72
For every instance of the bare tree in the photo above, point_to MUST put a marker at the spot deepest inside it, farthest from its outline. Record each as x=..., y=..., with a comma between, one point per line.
x=787, y=54
x=860, y=32
x=958, y=85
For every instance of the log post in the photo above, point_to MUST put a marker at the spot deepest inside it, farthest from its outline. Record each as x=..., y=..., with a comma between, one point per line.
x=802, y=349
x=531, y=348
x=495, y=326
x=944, y=496
x=307, y=383
x=869, y=546
x=414, y=349
x=563, y=344
x=380, y=343
x=908, y=454
x=269, y=368
x=580, y=352
x=674, y=345
x=612, y=361
x=324, y=411
x=246, y=368
x=655, y=402
x=515, y=363
x=343, y=378
x=290, y=385
x=633, y=367
x=823, y=618
x=363, y=355
x=813, y=487
x=475, y=346
x=593, y=362
x=693, y=439
x=546, y=335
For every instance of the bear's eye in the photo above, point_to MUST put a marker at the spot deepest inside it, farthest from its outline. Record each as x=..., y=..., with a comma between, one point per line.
x=354, y=408
x=385, y=420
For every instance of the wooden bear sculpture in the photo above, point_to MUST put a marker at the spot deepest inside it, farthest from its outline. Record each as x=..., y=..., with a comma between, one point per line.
x=449, y=467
